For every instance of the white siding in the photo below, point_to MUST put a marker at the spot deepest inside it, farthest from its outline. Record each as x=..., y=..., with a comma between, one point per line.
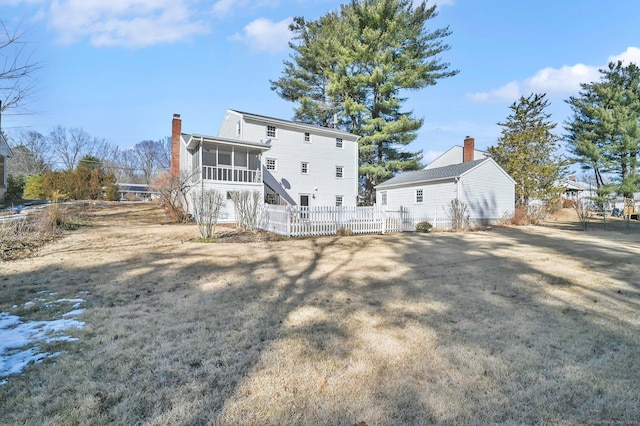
x=488, y=192
x=227, y=212
x=290, y=149
x=437, y=197
x=486, y=189
x=229, y=127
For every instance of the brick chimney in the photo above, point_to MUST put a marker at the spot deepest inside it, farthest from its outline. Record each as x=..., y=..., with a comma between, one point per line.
x=176, y=130
x=468, y=150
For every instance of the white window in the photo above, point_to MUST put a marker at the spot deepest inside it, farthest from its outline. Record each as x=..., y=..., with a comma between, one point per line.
x=383, y=198
x=271, y=131
x=304, y=168
x=339, y=172
x=338, y=200
x=338, y=142
x=271, y=164
x=307, y=137
x=419, y=196
x=238, y=129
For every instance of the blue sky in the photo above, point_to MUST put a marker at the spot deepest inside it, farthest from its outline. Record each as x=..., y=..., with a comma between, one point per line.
x=119, y=69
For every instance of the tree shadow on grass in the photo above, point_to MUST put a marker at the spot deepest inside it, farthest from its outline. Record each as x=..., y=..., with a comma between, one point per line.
x=408, y=328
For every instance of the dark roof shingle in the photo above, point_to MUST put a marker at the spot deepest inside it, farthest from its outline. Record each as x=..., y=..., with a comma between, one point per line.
x=426, y=175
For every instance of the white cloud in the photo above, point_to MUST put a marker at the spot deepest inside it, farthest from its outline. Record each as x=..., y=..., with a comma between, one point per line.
x=508, y=92
x=131, y=23
x=222, y=8
x=566, y=79
x=631, y=55
x=266, y=35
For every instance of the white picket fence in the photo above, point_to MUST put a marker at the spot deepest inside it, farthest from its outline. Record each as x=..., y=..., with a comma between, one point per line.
x=295, y=221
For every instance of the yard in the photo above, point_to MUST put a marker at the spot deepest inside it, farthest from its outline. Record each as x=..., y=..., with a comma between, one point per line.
x=512, y=325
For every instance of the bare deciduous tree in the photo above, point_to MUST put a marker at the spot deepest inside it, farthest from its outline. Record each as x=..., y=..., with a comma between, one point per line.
x=70, y=145
x=150, y=159
x=173, y=190
x=583, y=210
x=30, y=155
x=17, y=70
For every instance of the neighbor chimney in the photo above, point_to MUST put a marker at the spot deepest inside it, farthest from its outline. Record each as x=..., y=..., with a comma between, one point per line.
x=468, y=150
x=176, y=129
x=572, y=178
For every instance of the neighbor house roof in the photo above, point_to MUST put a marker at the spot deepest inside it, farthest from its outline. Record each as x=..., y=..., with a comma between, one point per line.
x=5, y=150
x=577, y=186
x=428, y=175
x=293, y=123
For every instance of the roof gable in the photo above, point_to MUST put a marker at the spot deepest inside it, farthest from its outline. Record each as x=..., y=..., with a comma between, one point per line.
x=454, y=155
x=297, y=124
x=5, y=150
x=428, y=175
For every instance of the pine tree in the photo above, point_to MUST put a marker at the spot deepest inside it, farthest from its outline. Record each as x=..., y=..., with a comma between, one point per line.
x=351, y=69
x=527, y=150
x=604, y=132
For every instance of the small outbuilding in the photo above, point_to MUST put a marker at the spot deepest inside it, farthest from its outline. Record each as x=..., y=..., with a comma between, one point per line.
x=481, y=184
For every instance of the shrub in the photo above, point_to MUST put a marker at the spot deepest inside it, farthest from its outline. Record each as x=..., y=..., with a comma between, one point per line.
x=15, y=187
x=248, y=206
x=344, y=232
x=207, y=204
x=33, y=188
x=424, y=227
x=457, y=213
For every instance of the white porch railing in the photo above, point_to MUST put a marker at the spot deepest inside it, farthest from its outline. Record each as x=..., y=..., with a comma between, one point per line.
x=308, y=221
x=231, y=174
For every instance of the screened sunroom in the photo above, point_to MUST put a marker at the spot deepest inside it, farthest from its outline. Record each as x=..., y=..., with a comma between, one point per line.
x=223, y=160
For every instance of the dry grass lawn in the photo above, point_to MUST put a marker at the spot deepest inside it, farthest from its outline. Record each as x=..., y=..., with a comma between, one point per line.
x=514, y=325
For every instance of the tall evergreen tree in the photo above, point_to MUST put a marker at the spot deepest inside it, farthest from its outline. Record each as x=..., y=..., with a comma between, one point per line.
x=604, y=132
x=528, y=150
x=350, y=69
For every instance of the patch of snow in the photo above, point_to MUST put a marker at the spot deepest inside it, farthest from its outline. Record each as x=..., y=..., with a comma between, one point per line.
x=76, y=302
x=74, y=313
x=18, y=340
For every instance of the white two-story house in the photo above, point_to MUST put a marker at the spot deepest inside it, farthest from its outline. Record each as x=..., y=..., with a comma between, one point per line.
x=287, y=162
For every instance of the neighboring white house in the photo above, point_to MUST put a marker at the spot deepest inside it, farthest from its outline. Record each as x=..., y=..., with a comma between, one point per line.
x=486, y=189
x=287, y=162
x=5, y=153
x=574, y=190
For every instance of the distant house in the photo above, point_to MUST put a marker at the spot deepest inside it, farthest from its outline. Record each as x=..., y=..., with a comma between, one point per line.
x=5, y=153
x=287, y=162
x=487, y=190
x=136, y=192
x=574, y=190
